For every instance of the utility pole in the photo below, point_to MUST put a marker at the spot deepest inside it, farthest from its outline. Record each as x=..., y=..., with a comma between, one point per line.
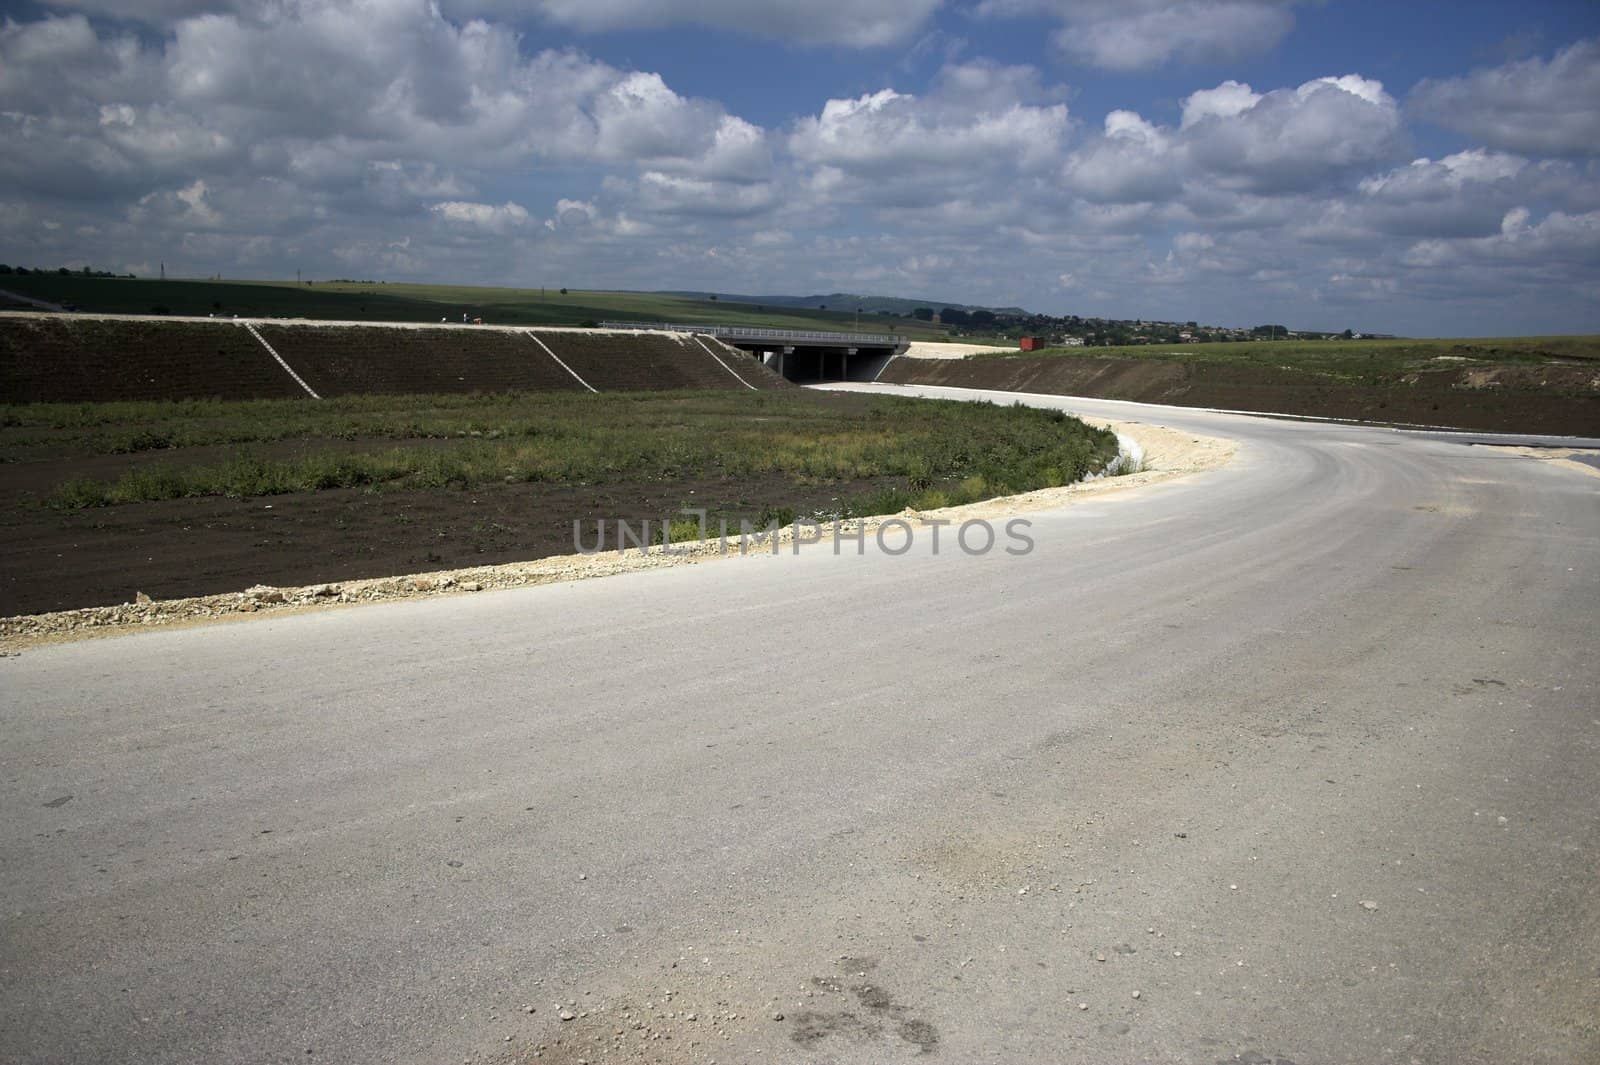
x=163, y=270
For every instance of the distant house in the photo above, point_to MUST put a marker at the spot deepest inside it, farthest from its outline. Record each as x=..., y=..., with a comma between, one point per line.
x=1072, y=342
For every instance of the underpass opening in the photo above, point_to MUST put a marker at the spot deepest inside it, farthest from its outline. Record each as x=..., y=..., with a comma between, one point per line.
x=806, y=364
x=799, y=355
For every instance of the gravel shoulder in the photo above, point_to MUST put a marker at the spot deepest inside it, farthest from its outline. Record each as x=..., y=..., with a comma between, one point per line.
x=1576, y=459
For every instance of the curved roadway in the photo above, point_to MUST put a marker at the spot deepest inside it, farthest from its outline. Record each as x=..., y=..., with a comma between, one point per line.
x=1306, y=749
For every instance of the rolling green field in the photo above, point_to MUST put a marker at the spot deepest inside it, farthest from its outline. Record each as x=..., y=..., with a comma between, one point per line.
x=360, y=301
x=1354, y=359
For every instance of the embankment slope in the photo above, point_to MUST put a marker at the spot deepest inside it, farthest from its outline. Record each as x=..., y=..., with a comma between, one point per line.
x=93, y=358
x=1553, y=399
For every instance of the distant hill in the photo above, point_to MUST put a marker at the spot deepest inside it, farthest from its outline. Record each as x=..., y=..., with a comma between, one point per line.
x=846, y=302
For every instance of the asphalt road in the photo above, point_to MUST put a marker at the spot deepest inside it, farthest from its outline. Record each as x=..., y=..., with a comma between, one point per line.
x=1307, y=749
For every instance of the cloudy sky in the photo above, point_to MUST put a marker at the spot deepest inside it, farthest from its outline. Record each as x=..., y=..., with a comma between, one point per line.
x=1411, y=167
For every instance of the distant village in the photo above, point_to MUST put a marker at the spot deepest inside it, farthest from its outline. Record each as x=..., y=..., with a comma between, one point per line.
x=1072, y=331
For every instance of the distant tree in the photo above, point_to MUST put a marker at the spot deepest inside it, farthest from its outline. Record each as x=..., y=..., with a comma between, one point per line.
x=822, y=306
x=4, y=269
x=951, y=316
x=63, y=271
x=1347, y=335
x=563, y=292
x=713, y=295
x=983, y=319
x=923, y=314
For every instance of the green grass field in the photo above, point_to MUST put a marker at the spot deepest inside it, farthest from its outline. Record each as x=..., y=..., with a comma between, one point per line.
x=1354, y=359
x=357, y=301
x=938, y=453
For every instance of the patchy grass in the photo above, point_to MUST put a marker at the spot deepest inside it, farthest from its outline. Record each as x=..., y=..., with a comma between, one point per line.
x=931, y=453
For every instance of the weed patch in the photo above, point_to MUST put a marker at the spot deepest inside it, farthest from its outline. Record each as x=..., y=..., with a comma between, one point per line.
x=957, y=452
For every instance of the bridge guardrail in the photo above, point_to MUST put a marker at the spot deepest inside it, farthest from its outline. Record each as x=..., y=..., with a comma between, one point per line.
x=739, y=332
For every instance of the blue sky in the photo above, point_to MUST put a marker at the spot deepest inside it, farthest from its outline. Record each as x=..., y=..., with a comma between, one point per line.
x=1417, y=168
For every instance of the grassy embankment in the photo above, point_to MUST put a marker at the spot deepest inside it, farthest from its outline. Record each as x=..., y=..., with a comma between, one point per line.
x=1372, y=361
x=361, y=301
x=932, y=454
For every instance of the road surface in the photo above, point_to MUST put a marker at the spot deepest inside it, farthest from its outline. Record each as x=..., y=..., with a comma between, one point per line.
x=1293, y=761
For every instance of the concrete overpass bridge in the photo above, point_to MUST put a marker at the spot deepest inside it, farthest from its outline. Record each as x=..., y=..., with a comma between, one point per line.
x=799, y=354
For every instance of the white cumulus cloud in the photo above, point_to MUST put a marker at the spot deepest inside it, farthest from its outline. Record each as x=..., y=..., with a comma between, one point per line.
x=1225, y=101
x=1141, y=34
x=1299, y=138
x=483, y=216
x=974, y=118
x=1534, y=106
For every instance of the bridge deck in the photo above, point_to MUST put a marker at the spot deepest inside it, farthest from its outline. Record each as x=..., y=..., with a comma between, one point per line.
x=751, y=334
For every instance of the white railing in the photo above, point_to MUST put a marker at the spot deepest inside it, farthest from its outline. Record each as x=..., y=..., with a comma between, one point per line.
x=739, y=332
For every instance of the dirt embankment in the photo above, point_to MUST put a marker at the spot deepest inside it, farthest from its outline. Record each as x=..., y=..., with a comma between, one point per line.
x=1556, y=399
x=101, y=358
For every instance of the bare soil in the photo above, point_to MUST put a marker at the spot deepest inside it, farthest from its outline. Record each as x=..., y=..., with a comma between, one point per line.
x=57, y=560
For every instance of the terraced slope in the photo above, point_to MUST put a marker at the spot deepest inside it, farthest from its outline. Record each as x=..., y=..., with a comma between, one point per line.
x=73, y=359
x=638, y=362
x=60, y=359
x=350, y=360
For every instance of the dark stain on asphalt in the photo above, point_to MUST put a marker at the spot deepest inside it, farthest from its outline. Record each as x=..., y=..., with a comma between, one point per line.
x=60, y=801
x=813, y=1026
x=878, y=1010
x=920, y=1034
x=1254, y=1057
